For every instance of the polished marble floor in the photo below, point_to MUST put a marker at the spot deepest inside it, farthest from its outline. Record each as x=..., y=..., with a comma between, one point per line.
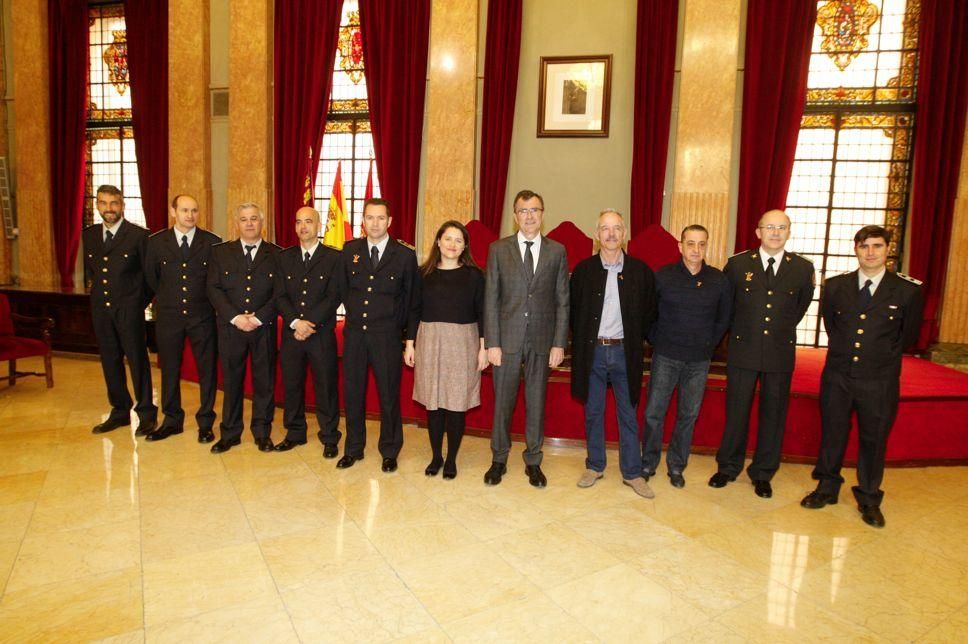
x=111, y=538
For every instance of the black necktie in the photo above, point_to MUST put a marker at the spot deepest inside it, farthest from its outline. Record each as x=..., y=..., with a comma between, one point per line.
x=865, y=295
x=248, y=255
x=770, y=273
x=306, y=259
x=184, y=247
x=108, y=237
x=528, y=259
x=374, y=256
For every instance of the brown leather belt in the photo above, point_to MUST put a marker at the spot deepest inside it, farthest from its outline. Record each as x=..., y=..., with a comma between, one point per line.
x=606, y=342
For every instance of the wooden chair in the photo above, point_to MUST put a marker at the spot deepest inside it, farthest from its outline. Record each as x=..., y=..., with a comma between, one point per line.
x=15, y=342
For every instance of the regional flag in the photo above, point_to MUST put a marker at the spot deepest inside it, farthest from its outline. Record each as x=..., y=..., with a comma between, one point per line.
x=336, y=215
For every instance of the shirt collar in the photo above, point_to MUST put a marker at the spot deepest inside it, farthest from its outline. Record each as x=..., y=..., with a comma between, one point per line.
x=311, y=250
x=179, y=235
x=536, y=240
x=382, y=246
x=618, y=266
x=257, y=245
x=875, y=281
x=111, y=229
x=766, y=259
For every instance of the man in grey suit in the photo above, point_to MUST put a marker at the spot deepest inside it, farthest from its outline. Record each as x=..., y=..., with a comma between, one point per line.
x=525, y=325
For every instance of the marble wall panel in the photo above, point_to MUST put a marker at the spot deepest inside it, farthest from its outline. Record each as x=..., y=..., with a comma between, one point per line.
x=6, y=247
x=954, y=303
x=189, y=161
x=450, y=117
x=250, y=108
x=706, y=111
x=32, y=141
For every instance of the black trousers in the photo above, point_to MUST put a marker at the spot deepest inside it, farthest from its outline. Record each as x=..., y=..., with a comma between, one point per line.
x=774, y=396
x=318, y=352
x=875, y=401
x=120, y=333
x=171, y=331
x=383, y=351
x=259, y=348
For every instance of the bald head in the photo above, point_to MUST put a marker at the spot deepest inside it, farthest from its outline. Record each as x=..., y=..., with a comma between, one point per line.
x=773, y=231
x=307, y=226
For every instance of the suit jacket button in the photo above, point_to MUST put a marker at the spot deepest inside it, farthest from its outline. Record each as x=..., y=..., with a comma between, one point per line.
x=766, y=332
x=856, y=359
x=365, y=302
x=371, y=277
x=107, y=303
x=769, y=292
x=860, y=331
x=857, y=345
x=364, y=327
x=863, y=316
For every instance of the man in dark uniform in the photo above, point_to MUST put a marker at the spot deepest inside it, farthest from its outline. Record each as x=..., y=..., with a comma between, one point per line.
x=307, y=302
x=114, y=255
x=871, y=315
x=380, y=289
x=242, y=287
x=176, y=269
x=772, y=290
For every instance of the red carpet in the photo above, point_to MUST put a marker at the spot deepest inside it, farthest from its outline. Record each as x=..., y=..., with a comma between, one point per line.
x=931, y=426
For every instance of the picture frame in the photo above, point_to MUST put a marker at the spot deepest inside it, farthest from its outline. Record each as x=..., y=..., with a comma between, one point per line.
x=574, y=96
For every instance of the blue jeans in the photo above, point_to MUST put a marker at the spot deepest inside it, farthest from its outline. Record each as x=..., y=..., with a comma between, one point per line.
x=609, y=366
x=690, y=377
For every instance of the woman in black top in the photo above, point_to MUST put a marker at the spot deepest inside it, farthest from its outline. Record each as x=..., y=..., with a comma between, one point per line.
x=449, y=352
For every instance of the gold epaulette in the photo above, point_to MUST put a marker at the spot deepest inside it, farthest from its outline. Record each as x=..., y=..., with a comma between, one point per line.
x=410, y=246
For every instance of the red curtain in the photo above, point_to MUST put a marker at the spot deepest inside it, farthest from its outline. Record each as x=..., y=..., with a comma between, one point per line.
x=67, y=50
x=146, y=22
x=306, y=33
x=395, y=40
x=501, y=56
x=655, y=60
x=940, y=130
x=778, y=40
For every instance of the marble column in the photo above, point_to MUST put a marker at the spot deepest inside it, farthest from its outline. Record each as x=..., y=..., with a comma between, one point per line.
x=189, y=136
x=954, y=302
x=32, y=142
x=250, y=109
x=450, y=118
x=707, y=107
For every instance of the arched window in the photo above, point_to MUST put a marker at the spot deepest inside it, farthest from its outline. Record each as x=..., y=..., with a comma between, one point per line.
x=853, y=159
x=110, y=156
x=348, y=142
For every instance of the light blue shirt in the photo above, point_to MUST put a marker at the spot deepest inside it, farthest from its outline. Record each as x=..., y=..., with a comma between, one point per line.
x=611, y=324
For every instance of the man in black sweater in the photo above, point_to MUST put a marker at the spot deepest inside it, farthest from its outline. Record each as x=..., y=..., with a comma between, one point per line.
x=695, y=302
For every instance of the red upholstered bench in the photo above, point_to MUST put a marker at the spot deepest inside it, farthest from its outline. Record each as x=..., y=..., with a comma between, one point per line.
x=14, y=346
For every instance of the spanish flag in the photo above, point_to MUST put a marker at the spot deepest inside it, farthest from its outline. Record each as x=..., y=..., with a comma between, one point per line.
x=334, y=236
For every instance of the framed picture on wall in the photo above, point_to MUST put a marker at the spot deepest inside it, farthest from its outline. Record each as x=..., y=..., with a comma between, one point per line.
x=573, y=96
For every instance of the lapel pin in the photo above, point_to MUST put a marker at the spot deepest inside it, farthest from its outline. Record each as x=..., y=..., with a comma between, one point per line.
x=356, y=259
x=749, y=277
x=699, y=283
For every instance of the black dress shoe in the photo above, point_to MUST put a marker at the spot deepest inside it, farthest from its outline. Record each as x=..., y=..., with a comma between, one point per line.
x=330, y=450
x=493, y=475
x=871, y=514
x=287, y=445
x=205, y=435
x=434, y=466
x=647, y=475
x=389, y=465
x=763, y=489
x=347, y=461
x=224, y=445
x=110, y=425
x=264, y=444
x=450, y=470
x=817, y=499
x=163, y=432
x=145, y=427
x=535, y=476
x=720, y=480
x=677, y=480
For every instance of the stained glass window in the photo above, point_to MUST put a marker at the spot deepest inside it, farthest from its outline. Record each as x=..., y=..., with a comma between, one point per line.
x=110, y=153
x=853, y=159
x=347, y=141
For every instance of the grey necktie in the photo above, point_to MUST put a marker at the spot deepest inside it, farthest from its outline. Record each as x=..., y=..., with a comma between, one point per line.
x=865, y=295
x=248, y=255
x=528, y=259
x=770, y=273
x=184, y=247
x=306, y=259
x=374, y=256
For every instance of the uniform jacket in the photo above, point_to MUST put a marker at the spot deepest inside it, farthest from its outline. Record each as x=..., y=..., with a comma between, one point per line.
x=763, y=332
x=115, y=272
x=515, y=309
x=386, y=299
x=636, y=294
x=309, y=292
x=868, y=343
x=235, y=289
x=180, y=285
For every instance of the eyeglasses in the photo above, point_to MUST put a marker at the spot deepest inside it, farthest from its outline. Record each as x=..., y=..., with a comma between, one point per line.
x=772, y=227
x=529, y=211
